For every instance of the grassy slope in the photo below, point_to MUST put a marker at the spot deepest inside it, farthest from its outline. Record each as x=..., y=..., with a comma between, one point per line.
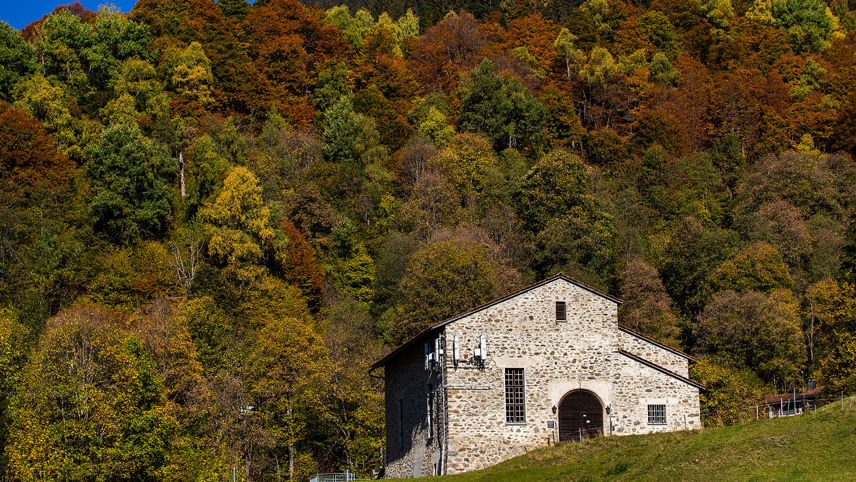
x=816, y=446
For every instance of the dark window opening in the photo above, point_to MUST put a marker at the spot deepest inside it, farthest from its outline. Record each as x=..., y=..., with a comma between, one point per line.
x=430, y=410
x=515, y=406
x=400, y=424
x=561, y=311
x=656, y=414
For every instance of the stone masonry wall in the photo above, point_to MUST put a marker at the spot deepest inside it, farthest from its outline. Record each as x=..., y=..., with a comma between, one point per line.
x=653, y=353
x=407, y=384
x=557, y=357
x=636, y=386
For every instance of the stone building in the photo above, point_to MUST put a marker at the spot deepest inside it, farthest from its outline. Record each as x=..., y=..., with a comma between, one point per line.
x=547, y=363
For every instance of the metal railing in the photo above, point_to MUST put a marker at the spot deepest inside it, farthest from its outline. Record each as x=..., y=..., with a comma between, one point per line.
x=345, y=476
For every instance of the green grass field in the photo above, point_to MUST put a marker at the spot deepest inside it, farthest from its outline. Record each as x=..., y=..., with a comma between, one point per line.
x=813, y=446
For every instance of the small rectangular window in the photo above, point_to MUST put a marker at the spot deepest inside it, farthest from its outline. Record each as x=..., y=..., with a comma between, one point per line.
x=561, y=311
x=515, y=396
x=656, y=414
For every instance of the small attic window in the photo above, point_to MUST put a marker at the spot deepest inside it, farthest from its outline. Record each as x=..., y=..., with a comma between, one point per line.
x=561, y=311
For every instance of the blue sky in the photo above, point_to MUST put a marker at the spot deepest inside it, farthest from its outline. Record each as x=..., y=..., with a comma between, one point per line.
x=20, y=13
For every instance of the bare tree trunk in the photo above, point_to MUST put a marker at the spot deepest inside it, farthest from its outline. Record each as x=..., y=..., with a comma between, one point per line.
x=290, y=449
x=811, y=336
x=181, y=164
x=290, y=461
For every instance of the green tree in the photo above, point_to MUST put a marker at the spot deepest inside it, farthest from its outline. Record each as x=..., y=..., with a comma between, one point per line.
x=663, y=71
x=730, y=395
x=138, y=78
x=837, y=371
x=332, y=85
x=85, y=56
x=848, y=258
x=13, y=356
x=829, y=314
x=661, y=33
x=204, y=172
x=561, y=121
x=210, y=330
x=808, y=23
x=286, y=370
x=504, y=111
x=582, y=242
x=600, y=68
x=757, y=267
x=693, y=252
x=90, y=405
x=355, y=400
x=755, y=331
x=48, y=104
x=115, y=38
x=555, y=184
x=717, y=12
x=234, y=8
x=605, y=147
x=436, y=127
x=130, y=185
x=60, y=48
x=565, y=45
x=350, y=139
x=443, y=279
x=469, y=162
x=353, y=274
x=17, y=59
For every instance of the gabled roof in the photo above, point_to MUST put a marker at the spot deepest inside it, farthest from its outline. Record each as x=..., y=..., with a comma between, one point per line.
x=383, y=361
x=656, y=343
x=660, y=369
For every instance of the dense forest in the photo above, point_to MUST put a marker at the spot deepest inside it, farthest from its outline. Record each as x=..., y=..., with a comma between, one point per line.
x=214, y=217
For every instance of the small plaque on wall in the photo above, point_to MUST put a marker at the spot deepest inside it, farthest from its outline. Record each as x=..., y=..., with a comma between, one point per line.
x=551, y=424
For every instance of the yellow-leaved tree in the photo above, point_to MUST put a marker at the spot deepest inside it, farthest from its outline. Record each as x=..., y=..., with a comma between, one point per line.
x=237, y=225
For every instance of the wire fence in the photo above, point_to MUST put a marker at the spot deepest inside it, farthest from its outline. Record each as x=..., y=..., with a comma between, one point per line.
x=335, y=477
x=784, y=407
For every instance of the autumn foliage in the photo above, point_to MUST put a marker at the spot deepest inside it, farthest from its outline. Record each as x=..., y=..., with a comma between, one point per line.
x=214, y=216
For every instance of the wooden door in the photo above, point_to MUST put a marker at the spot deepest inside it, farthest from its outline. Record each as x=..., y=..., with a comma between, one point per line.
x=580, y=416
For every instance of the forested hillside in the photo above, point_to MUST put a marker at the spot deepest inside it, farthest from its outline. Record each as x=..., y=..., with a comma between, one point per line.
x=215, y=217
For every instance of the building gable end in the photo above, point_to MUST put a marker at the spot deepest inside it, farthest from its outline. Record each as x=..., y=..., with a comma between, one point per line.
x=383, y=361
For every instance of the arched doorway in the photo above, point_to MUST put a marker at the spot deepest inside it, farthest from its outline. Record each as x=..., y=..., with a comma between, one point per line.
x=580, y=416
